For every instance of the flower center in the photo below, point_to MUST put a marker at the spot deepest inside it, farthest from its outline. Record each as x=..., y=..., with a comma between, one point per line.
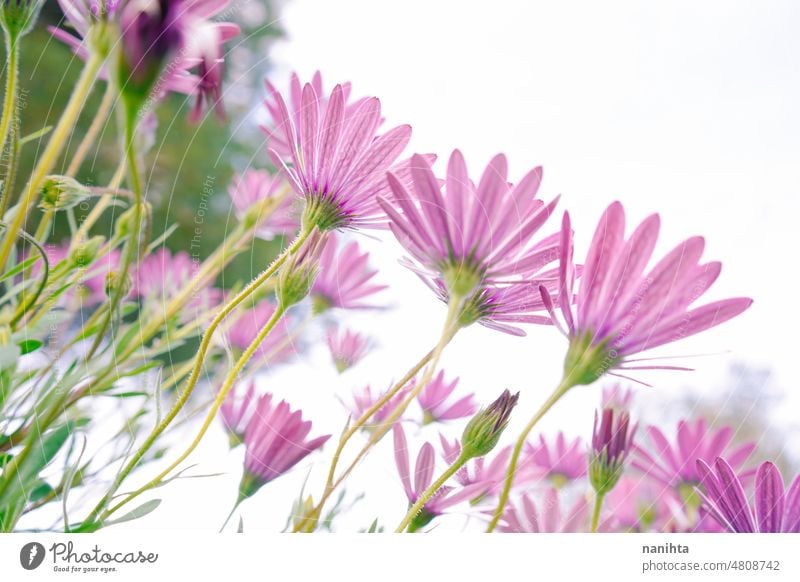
x=323, y=212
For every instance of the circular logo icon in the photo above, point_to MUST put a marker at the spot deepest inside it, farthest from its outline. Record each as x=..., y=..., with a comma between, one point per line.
x=31, y=555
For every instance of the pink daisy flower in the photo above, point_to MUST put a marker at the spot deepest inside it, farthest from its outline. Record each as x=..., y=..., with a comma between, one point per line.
x=336, y=164
x=488, y=472
x=161, y=275
x=347, y=348
x=621, y=309
x=255, y=186
x=278, y=347
x=435, y=404
x=561, y=461
x=776, y=510
x=275, y=441
x=675, y=465
x=527, y=518
x=477, y=242
x=237, y=410
x=635, y=505
x=424, y=468
x=345, y=279
x=364, y=399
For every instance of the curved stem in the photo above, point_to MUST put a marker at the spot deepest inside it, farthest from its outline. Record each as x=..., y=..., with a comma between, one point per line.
x=24, y=307
x=449, y=330
x=212, y=413
x=205, y=344
x=54, y=147
x=598, y=504
x=512, y=467
x=414, y=510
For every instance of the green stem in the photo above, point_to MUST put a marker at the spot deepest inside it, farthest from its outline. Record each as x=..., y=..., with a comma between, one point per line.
x=230, y=379
x=449, y=331
x=9, y=112
x=205, y=344
x=598, y=504
x=54, y=147
x=431, y=491
x=512, y=467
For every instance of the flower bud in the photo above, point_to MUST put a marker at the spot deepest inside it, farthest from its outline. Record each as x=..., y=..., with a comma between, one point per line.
x=484, y=429
x=62, y=192
x=611, y=442
x=116, y=284
x=83, y=253
x=17, y=17
x=297, y=275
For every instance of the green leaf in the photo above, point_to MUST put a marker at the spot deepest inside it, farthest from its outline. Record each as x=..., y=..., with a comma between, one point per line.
x=19, y=267
x=144, y=509
x=28, y=346
x=41, y=491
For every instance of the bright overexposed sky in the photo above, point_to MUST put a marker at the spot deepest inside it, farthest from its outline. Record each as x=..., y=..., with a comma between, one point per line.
x=684, y=108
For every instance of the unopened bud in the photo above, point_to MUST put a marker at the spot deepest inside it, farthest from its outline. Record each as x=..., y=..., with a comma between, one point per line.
x=83, y=253
x=62, y=192
x=484, y=429
x=297, y=275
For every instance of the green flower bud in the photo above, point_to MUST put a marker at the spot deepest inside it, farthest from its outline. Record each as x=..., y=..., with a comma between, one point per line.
x=17, y=17
x=62, y=192
x=297, y=276
x=484, y=429
x=83, y=253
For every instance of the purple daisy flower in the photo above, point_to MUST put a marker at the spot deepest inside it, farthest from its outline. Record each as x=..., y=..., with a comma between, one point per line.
x=561, y=461
x=547, y=518
x=622, y=310
x=344, y=278
x=237, y=410
x=364, y=399
x=675, y=465
x=776, y=510
x=275, y=441
x=445, y=498
x=255, y=186
x=347, y=348
x=278, y=347
x=435, y=405
x=612, y=439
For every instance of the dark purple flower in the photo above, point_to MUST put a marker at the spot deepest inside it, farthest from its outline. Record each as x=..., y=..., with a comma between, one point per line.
x=611, y=442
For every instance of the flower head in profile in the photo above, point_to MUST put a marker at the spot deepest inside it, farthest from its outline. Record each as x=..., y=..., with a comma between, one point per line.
x=237, y=410
x=337, y=164
x=345, y=279
x=612, y=439
x=254, y=189
x=674, y=464
x=621, y=307
x=437, y=406
x=276, y=439
x=526, y=517
x=278, y=347
x=347, y=348
x=477, y=242
x=776, y=510
x=560, y=461
x=424, y=468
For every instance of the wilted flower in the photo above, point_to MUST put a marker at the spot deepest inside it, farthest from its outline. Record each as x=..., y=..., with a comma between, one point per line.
x=347, y=348
x=444, y=498
x=275, y=441
x=253, y=188
x=611, y=443
x=527, y=518
x=776, y=510
x=620, y=310
x=236, y=412
x=345, y=279
x=435, y=405
x=337, y=164
x=484, y=429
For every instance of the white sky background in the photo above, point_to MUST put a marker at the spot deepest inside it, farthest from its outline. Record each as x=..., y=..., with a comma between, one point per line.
x=685, y=108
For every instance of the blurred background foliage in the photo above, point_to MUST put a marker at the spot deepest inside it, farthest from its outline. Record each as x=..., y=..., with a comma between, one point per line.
x=189, y=167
